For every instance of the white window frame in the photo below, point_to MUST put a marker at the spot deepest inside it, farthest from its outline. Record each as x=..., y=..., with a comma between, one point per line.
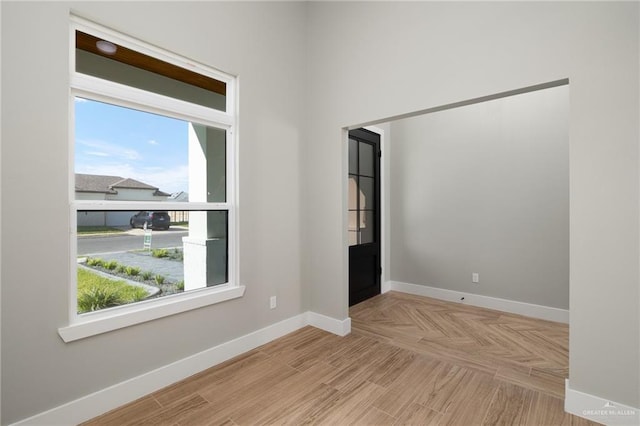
x=81, y=85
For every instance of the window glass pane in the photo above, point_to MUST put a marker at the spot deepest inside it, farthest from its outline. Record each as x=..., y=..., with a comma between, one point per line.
x=367, y=193
x=121, y=65
x=353, y=192
x=366, y=159
x=353, y=238
x=367, y=232
x=129, y=256
x=126, y=154
x=353, y=228
x=353, y=221
x=353, y=156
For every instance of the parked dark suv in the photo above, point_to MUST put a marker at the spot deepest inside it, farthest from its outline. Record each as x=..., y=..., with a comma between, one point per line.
x=154, y=220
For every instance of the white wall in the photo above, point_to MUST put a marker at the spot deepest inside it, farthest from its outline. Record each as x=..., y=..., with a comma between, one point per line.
x=118, y=218
x=485, y=188
x=87, y=218
x=439, y=53
x=90, y=196
x=261, y=43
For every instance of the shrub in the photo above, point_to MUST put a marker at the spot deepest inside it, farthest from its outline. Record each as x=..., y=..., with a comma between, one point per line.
x=94, y=261
x=110, y=265
x=146, y=275
x=121, y=268
x=159, y=279
x=160, y=253
x=132, y=270
x=180, y=285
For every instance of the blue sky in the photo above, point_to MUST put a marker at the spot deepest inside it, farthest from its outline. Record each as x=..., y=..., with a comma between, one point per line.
x=112, y=140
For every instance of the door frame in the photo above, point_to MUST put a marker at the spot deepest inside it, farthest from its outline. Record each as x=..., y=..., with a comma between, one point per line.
x=384, y=207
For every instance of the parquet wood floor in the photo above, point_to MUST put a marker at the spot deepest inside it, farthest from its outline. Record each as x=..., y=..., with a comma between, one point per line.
x=409, y=360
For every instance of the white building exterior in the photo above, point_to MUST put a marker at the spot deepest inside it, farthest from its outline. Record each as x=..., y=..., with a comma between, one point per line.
x=100, y=187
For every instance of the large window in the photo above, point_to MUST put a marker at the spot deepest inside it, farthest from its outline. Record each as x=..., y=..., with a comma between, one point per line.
x=152, y=199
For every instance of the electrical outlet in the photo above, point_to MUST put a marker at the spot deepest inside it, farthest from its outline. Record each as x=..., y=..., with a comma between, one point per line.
x=273, y=302
x=475, y=277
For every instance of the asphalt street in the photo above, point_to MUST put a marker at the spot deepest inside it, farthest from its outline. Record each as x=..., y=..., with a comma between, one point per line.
x=132, y=240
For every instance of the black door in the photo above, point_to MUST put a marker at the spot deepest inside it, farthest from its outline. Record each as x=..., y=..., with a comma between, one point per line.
x=364, y=215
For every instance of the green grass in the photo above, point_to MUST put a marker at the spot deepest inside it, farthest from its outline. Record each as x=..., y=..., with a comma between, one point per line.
x=98, y=230
x=96, y=292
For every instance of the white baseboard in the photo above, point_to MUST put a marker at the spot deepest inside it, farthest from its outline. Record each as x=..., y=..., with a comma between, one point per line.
x=521, y=308
x=598, y=409
x=332, y=325
x=385, y=287
x=90, y=406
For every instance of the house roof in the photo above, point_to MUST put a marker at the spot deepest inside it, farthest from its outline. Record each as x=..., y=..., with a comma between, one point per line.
x=179, y=196
x=109, y=184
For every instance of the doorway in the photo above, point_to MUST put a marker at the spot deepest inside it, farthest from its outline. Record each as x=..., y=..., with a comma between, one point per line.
x=364, y=215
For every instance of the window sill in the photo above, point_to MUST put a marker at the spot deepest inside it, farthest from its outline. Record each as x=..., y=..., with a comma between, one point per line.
x=94, y=323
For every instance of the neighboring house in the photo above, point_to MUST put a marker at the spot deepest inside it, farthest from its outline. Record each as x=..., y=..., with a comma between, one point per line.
x=100, y=187
x=179, y=216
x=179, y=196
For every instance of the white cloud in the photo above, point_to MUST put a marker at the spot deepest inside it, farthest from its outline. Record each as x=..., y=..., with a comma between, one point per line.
x=97, y=153
x=168, y=180
x=152, y=142
x=79, y=100
x=109, y=149
x=131, y=154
